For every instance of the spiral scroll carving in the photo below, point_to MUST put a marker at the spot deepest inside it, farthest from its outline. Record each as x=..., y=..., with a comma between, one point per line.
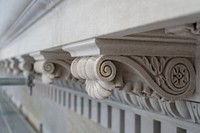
x=98, y=74
x=106, y=70
x=44, y=67
x=49, y=67
x=157, y=77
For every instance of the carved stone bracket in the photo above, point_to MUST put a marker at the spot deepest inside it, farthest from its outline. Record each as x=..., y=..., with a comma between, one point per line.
x=47, y=69
x=26, y=64
x=169, y=78
x=21, y=64
x=52, y=65
x=13, y=66
x=51, y=69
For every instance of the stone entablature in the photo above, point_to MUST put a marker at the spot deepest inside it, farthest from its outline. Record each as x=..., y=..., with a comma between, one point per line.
x=161, y=69
x=157, y=74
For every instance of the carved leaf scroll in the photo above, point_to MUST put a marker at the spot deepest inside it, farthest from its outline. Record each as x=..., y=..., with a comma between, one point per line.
x=158, y=77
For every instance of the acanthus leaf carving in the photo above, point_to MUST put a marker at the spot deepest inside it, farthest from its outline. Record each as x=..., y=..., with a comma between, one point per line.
x=164, y=78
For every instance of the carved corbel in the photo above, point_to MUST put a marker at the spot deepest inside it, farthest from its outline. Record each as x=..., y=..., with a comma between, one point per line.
x=6, y=66
x=167, y=78
x=11, y=66
x=52, y=65
x=26, y=64
x=14, y=66
x=47, y=69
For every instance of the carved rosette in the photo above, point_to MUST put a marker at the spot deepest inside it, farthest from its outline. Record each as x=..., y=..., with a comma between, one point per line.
x=180, y=76
x=156, y=77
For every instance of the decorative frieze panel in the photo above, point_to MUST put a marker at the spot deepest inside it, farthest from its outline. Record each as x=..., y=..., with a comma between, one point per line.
x=186, y=110
x=148, y=76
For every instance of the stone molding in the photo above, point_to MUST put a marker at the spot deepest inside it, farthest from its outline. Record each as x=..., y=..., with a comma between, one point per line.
x=83, y=48
x=32, y=13
x=167, y=77
x=143, y=45
x=159, y=84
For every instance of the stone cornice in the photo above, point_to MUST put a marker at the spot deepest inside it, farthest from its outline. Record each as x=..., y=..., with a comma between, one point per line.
x=126, y=46
x=83, y=48
x=149, y=69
